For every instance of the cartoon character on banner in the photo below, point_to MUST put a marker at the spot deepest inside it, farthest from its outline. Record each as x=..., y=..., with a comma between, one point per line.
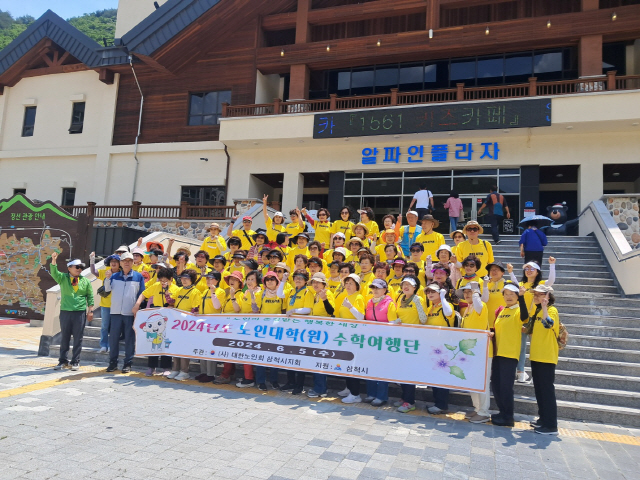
x=155, y=327
x=560, y=225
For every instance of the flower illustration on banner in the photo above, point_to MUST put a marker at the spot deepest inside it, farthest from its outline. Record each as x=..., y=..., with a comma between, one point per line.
x=464, y=349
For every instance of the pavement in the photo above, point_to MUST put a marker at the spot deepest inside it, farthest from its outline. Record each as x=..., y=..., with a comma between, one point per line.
x=96, y=425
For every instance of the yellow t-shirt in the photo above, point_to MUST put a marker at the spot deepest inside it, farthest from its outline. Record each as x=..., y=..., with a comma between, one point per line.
x=333, y=285
x=187, y=299
x=206, y=307
x=477, y=321
x=365, y=281
x=201, y=281
x=319, y=309
x=294, y=229
x=210, y=246
x=356, y=299
x=431, y=243
x=104, y=301
x=483, y=250
x=323, y=232
x=293, y=251
x=496, y=300
x=435, y=317
x=528, y=295
x=245, y=305
x=509, y=332
x=271, y=305
x=227, y=306
x=247, y=240
x=231, y=267
x=544, y=341
x=273, y=229
x=464, y=281
x=394, y=283
x=343, y=227
x=383, y=256
x=373, y=229
x=157, y=292
x=294, y=300
x=409, y=314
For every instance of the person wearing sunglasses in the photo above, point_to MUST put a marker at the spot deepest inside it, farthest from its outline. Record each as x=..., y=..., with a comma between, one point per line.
x=344, y=225
x=76, y=308
x=203, y=268
x=272, y=257
x=245, y=234
x=322, y=226
x=429, y=238
x=474, y=246
x=337, y=241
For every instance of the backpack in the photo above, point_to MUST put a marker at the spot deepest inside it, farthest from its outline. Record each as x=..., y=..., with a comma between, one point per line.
x=457, y=320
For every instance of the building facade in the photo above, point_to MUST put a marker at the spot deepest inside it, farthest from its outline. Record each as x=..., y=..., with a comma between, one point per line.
x=207, y=101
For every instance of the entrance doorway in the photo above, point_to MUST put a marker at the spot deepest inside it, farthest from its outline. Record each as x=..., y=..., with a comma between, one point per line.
x=470, y=206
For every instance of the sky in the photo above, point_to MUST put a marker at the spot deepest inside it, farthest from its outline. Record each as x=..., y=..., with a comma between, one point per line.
x=64, y=8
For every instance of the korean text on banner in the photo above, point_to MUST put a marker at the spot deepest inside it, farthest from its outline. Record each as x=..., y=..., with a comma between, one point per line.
x=453, y=358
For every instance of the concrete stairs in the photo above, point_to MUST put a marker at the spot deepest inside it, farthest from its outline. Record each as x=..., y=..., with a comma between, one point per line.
x=598, y=373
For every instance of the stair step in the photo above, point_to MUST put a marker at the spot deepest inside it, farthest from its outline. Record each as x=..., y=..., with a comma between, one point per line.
x=582, y=265
x=608, y=342
x=607, y=367
x=602, y=330
x=596, y=380
x=581, y=283
x=564, y=306
x=509, y=252
x=599, y=320
x=600, y=353
x=561, y=286
x=569, y=393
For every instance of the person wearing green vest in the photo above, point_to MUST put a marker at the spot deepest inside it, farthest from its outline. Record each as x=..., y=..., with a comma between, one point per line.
x=76, y=307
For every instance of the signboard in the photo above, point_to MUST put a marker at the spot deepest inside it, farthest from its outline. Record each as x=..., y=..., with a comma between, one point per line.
x=529, y=212
x=29, y=233
x=434, y=153
x=507, y=225
x=434, y=118
x=416, y=354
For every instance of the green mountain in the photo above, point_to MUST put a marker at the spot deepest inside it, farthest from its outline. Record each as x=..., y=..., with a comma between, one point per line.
x=19, y=198
x=99, y=25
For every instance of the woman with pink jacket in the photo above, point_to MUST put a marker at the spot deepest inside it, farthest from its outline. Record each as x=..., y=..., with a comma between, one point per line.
x=454, y=204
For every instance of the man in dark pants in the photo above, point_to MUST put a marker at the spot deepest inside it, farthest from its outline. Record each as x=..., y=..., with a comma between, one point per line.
x=125, y=287
x=497, y=206
x=76, y=307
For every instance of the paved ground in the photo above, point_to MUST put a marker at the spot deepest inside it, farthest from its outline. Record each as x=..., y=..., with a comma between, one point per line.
x=93, y=425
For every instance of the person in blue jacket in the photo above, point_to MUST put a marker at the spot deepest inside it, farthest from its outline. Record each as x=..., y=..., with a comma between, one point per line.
x=532, y=243
x=125, y=287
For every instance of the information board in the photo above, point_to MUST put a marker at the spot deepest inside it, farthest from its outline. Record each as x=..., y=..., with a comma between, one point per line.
x=434, y=118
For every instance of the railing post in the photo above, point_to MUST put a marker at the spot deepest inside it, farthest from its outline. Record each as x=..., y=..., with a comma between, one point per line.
x=611, y=80
x=135, y=210
x=333, y=102
x=184, y=210
x=533, y=86
x=276, y=106
x=394, y=97
x=460, y=92
x=225, y=109
x=91, y=208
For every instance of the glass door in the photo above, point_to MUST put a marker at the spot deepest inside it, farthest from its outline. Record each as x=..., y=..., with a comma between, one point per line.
x=470, y=206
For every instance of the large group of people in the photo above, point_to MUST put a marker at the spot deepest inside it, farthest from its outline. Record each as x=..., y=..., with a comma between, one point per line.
x=354, y=268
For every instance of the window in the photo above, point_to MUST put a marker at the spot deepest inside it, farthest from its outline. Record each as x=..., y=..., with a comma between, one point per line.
x=203, y=196
x=206, y=108
x=29, y=121
x=23, y=191
x=77, y=119
x=68, y=197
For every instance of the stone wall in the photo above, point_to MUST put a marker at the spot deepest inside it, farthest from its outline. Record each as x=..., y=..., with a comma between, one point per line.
x=191, y=229
x=624, y=211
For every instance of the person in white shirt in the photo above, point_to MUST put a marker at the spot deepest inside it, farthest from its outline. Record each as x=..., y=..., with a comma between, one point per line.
x=423, y=199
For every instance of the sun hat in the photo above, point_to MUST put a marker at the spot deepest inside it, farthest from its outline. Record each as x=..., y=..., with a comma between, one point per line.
x=126, y=256
x=215, y=226
x=390, y=231
x=122, y=248
x=512, y=287
x=107, y=260
x=354, y=277
x=433, y=286
x=429, y=218
x=300, y=235
x=378, y=283
x=339, y=234
x=496, y=263
x=76, y=262
x=453, y=234
x=472, y=223
x=220, y=258
x=278, y=214
x=271, y=274
x=282, y=265
x=366, y=229
x=185, y=250
x=260, y=232
x=542, y=288
x=160, y=246
x=137, y=251
x=237, y=275
x=532, y=265
x=238, y=254
x=444, y=247
x=399, y=261
x=318, y=277
x=460, y=291
x=251, y=264
x=355, y=239
x=363, y=249
x=273, y=252
x=341, y=250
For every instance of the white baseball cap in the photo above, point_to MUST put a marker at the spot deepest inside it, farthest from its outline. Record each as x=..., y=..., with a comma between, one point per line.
x=412, y=212
x=75, y=262
x=125, y=256
x=278, y=214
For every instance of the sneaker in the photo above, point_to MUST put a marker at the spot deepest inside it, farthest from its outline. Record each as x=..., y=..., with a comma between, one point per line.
x=173, y=374
x=166, y=373
x=522, y=377
x=246, y=383
x=75, y=367
x=546, y=431
x=126, y=368
x=352, y=399
x=377, y=402
x=297, y=391
x=435, y=410
x=112, y=367
x=344, y=393
x=480, y=419
x=220, y=380
x=103, y=350
x=399, y=403
x=275, y=386
x=500, y=421
x=198, y=377
x=262, y=387
x=469, y=415
x=314, y=394
x=206, y=379
x=369, y=399
x=149, y=372
x=62, y=365
x=535, y=423
x=288, y=386
x=406, y=407
x=182, y=376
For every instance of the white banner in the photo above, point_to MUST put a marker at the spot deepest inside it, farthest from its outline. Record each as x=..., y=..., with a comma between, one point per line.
x=454, y=358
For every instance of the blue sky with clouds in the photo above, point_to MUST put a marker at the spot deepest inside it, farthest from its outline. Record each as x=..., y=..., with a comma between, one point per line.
x=64, y=8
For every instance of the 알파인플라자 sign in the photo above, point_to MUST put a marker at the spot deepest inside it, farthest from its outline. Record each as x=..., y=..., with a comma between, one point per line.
x=445, y=357
x=434, y=118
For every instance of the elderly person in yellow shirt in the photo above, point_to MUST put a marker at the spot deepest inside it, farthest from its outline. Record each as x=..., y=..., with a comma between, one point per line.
x=245, y=234
x=214, y=244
